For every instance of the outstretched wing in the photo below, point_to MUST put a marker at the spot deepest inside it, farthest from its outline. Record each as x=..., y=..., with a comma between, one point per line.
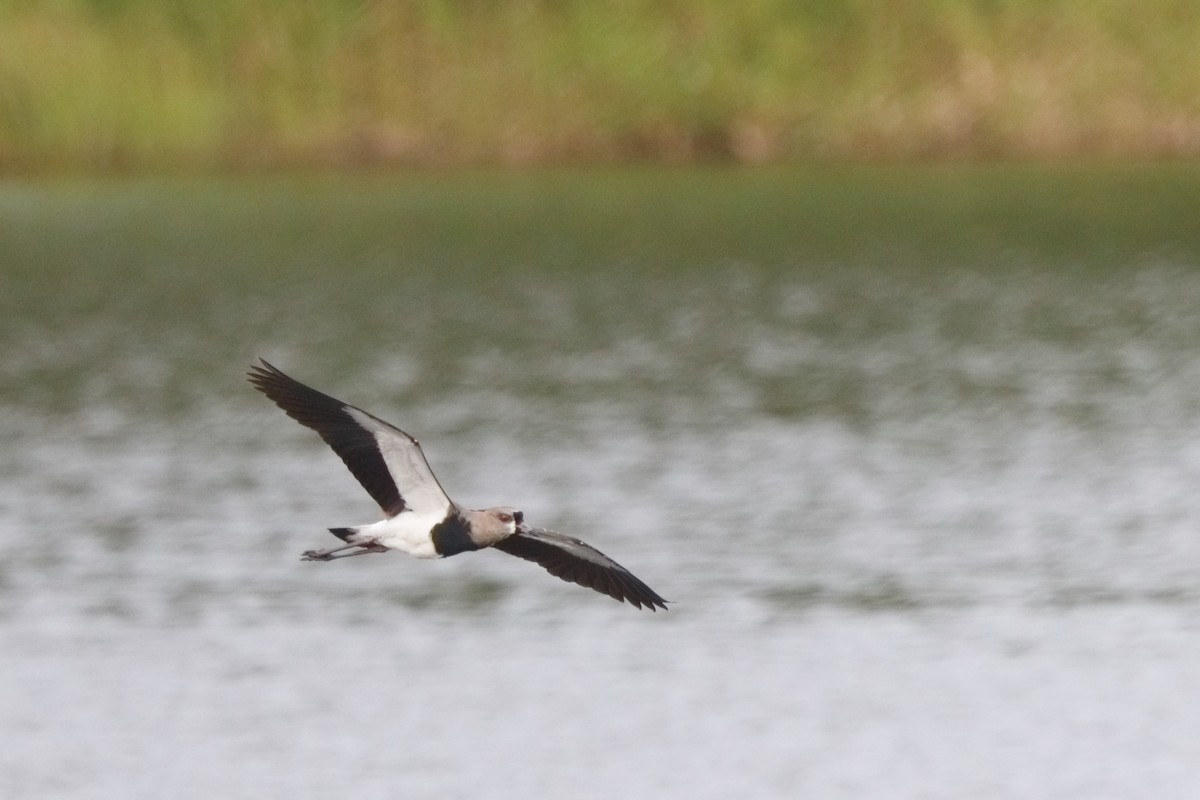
x=578, y=562
x=386, y=461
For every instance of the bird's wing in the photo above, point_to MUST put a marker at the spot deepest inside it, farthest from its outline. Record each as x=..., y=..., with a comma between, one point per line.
x=388, y=462
x=578, y=562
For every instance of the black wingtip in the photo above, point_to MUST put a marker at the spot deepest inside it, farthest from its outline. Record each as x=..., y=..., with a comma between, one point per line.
x=650, y=605
x=264, y=369
x=654, y=603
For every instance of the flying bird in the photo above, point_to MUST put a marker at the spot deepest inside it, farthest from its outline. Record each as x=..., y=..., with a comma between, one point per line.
x=420, y=519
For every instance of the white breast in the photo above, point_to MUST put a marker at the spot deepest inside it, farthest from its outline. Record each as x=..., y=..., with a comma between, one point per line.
x=407, y=532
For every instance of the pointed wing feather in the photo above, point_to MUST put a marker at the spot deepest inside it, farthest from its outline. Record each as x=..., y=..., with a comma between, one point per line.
x=388, y=462
x=578, y=562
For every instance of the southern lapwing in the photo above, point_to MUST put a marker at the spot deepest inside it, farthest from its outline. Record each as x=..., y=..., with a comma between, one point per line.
x=420, y=519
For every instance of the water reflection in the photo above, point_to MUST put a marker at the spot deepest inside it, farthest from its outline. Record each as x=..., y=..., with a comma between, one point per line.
x=921, y=482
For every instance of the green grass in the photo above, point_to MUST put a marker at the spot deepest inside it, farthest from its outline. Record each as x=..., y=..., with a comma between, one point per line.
x=192, y=84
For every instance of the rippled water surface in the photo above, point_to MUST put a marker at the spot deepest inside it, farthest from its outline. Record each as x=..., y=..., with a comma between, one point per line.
x=916, y=453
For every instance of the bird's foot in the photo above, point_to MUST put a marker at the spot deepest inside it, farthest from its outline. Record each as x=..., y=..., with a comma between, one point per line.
x=315, y=555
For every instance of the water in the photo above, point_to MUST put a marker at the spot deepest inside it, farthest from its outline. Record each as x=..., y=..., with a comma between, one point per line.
x=913, y=450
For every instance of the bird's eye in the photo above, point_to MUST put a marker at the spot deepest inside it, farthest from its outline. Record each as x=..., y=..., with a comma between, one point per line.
x=506, y=518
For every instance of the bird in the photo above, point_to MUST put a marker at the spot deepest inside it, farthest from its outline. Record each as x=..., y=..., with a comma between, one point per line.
x=420, y=519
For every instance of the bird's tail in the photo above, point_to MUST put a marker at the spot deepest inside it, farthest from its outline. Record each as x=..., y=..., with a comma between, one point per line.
x=343, y=533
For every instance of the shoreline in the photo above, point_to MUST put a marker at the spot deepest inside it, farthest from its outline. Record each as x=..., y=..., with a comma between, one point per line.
x=137, y=86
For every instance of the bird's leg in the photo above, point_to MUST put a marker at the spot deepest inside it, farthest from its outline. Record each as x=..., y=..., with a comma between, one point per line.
x=328, y=555
x=362, y=552
x=324, y=555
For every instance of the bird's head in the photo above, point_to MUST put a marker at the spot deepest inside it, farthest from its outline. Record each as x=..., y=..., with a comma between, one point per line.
x=507, y=519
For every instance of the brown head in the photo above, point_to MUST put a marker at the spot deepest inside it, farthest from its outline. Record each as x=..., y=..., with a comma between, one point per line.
x=490, y=525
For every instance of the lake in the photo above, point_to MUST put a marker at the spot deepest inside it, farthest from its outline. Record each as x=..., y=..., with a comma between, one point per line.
x=914, y=450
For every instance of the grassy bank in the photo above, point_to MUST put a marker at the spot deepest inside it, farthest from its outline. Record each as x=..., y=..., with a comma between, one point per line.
x=145, y=84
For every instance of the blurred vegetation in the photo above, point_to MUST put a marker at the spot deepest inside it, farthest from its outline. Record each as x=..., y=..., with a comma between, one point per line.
x=250, y=84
